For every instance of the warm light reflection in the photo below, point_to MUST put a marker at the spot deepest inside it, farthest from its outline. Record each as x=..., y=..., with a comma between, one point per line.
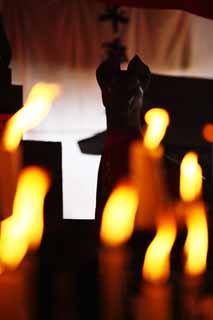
x=119, y=215
x=157, y=121
x=208, y=132
x=156, y=266
x=24, y=228
x=190, y=177
x=35, y=109
x=196, y=245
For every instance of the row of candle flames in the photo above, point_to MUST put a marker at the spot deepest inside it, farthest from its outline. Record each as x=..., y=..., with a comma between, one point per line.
x=142, y=202
x=129, y=206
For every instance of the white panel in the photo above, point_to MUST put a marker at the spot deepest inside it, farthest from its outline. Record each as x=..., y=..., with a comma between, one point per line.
x=79, y=174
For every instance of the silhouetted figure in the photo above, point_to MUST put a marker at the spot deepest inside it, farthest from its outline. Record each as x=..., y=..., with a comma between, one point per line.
x=122, y=95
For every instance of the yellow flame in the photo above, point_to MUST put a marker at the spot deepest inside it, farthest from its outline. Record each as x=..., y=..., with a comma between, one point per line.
x=208, y=132
x=23, y=230
x=35, y=109
x=196, y=245
x=119, y=215
x=156, y=266
x=190, y=177
x=157, y=121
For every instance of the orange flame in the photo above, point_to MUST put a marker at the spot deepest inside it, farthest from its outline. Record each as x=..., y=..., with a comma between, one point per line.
x=190, y=177
x=35, y=109
x=157, y=120
x=196, y=245
x=156, y=266
x=208, y=132
x=23, y=230
x=119, y=215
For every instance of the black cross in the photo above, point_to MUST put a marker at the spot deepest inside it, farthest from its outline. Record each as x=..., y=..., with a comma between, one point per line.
x=116, y=15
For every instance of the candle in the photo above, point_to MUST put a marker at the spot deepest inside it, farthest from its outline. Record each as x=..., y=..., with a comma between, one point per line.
x=155, y=299
x=24, y=228
x=146, y=170
x=116, y=228
x=22, y=194
x=36, y=107
x=14, y=237
x=196, y=244
x=158, y=252
x=154, y=302
x=195, y=217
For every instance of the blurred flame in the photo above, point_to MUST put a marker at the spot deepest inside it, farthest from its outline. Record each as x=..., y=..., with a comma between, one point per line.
x=35, y=109
x=156, y=266
x=190, y=177
x=208, y=132
x=119, y=215
x=157, y=121
x=196, y=245
x=23, y=230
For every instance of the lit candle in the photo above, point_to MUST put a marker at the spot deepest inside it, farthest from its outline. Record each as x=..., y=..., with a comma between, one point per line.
x=146, y=170
x=22, y=194
x=23, y=229
x=35, y=109
x=154, y=301
x=117, y=227
x=195, y=218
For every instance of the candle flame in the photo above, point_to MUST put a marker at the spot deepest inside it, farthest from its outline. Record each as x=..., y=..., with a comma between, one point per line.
x=196, y=245
x=157, y=121
x=208, y=132
x=35, y=109
x=119, y=215
x=190, y=177
x=156, y=266
x=23, y=229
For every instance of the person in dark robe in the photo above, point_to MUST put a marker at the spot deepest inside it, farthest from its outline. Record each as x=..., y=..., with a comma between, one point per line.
x=122, y=95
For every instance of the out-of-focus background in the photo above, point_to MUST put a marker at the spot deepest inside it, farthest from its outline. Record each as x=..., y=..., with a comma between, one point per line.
x=60, y=41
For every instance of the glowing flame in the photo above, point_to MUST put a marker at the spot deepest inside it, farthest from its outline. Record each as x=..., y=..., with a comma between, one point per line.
x=23, y=230
x=156, y=266
x=119, y=215
x=190, y=177
x=208, y=132
x=157, y=121
x=196, y=245
x=35, y=109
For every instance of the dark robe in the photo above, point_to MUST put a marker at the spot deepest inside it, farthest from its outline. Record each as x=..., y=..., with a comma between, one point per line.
x=122, y=94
